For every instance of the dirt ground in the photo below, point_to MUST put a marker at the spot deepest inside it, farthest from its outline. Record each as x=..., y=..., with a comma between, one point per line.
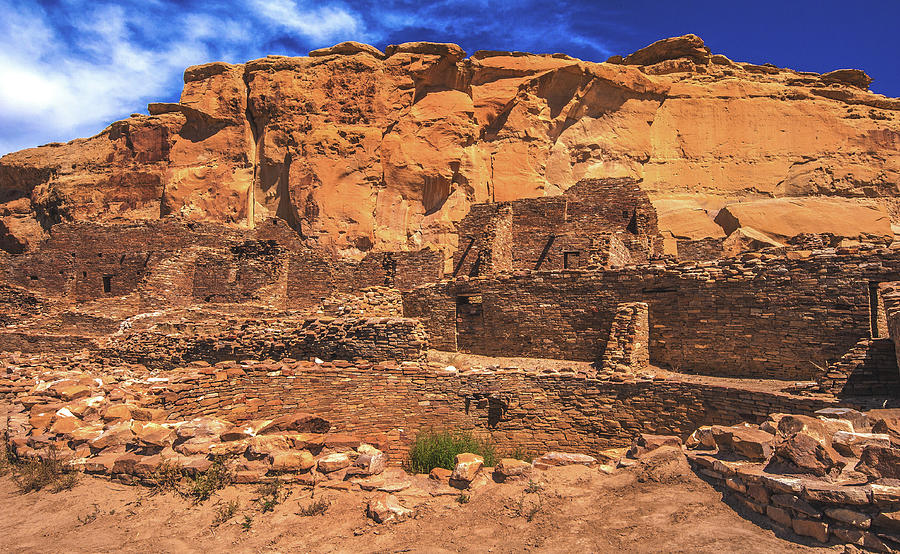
x=576, y=509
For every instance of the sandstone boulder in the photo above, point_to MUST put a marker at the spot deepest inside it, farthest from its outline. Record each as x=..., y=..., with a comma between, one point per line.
x=511, y=468
x=857, y=419
x=467, y=467
x=153, y=434
x=880, y=462
x=852, y=444
x=687, y=46
x=202, y=427
x=429, y=48
x=370, y=461
x=385, y=508
x=261, y=446
x=747, y=239
x=853, y=77
x=701, y=439
x=347, y=48
x=646, y=442
x=802, y=453
x=440, y=474
x=333, y=462
x=782, y=218
x=244, y=430
x=748, y=442
x=291, y=460
x=551, y=459
x=816, y=428
x=117, y=434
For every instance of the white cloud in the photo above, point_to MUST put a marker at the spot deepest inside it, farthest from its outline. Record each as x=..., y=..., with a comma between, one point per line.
x=322, y=23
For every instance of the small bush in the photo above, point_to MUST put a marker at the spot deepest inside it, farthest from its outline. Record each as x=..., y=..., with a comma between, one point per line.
x=529, y=508
x=167, y=477
x=226, y=511
x=91, y=517
x=48, y=472
x=247, y=523
x=270, y=495
x=463, y=498
x=533, y=487
x=204, y=484
x=439, y=449
x=314, y=508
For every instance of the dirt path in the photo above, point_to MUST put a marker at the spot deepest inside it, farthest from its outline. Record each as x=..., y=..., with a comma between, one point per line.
x=576, y=510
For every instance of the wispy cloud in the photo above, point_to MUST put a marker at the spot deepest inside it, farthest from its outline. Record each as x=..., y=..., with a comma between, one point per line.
x=317, y=23
x=69, y=67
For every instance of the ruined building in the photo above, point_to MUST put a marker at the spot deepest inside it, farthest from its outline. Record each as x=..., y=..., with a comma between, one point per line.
x=317, y=232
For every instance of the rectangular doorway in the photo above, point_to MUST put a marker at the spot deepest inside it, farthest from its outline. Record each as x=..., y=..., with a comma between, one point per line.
x=469, y=323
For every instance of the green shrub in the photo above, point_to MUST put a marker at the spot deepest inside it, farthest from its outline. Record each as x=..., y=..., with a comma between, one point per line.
x=314, y=508
x=49, y=472
x=439, y=449
x=204, y=484
x=226, y=511
x=271, y=494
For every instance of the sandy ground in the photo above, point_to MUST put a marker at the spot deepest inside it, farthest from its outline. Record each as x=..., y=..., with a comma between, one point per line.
x=577, y=510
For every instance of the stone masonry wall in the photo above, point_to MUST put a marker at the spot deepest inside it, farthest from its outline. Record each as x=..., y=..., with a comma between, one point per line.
x=173, y=261
x=519, y=410
x=626, y=349
x=558, y=231
x=327, y=338
x=867, y=369
x=890, y=297
x=754, y=316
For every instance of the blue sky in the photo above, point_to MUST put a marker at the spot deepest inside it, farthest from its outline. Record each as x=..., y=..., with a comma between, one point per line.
x=69, y=67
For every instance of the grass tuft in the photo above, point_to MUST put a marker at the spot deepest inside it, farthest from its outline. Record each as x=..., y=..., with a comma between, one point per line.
x=433, y=449
x=202, y=486
x=226, y=511
x=47, y=472
x=314, y=508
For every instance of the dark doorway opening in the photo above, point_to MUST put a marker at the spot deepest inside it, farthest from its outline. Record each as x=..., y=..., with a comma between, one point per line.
x=570, y=259
x=107, y=283
x=469, y=323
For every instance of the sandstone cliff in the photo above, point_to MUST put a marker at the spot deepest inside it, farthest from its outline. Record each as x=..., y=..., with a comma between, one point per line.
x=359, y=150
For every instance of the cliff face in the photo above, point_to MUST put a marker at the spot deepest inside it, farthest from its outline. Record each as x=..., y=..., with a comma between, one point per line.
x=360, y=150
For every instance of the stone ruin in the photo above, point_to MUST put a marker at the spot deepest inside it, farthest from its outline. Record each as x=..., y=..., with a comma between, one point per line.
x=772, y=362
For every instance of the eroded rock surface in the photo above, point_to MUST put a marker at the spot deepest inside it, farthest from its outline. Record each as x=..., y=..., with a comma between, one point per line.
x=361, y=150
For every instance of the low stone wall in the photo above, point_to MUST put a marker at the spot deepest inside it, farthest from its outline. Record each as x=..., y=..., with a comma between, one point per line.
x=864, y=515
x=326, y=338
x=537, y=412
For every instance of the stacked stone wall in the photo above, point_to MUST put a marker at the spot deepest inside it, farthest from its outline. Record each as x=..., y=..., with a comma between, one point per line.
x=867, y=369
x=326, y=338
x=538, y=233
x=706, y=249
x=626, y=349
x=244, y=272
x=756, y=316
x=519, y=410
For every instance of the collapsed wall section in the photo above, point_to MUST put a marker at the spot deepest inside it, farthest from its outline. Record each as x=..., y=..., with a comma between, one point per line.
x=758, y=316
